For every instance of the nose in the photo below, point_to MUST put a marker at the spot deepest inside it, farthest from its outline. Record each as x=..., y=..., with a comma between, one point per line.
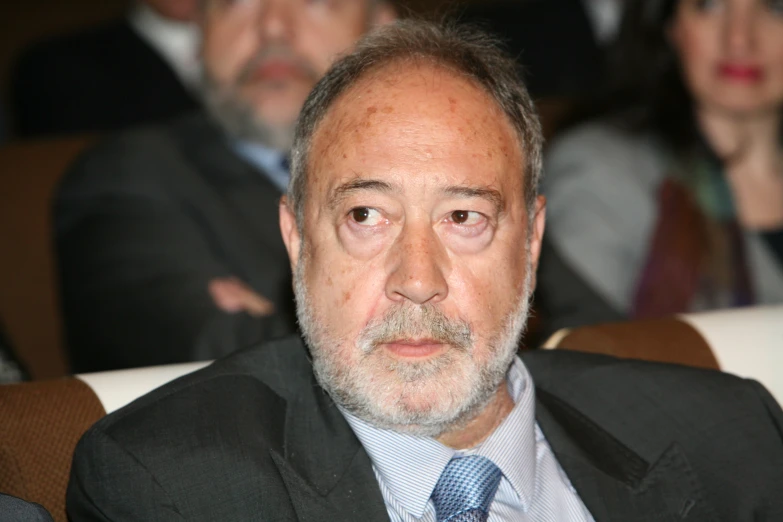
x=739, y=31
x=417, y=263
x=276, y=19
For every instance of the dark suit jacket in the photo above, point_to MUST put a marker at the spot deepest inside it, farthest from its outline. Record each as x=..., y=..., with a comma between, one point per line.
x=253, y=437
x=143, y=223
x=103, y=79
x=14, y=509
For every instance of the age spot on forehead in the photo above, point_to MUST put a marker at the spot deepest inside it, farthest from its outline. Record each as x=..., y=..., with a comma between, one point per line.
x=452, y=104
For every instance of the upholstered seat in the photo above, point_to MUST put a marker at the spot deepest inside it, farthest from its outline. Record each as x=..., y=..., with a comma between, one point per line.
x=747, y=342
x=42, y=422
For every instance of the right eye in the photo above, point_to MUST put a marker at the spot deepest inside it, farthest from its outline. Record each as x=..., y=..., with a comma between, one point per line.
x=365, y=216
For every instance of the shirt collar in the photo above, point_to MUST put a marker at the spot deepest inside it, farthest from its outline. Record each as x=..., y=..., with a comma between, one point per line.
x=177, y=42
x=397, y=457
x=512, y=446
x=269, y=161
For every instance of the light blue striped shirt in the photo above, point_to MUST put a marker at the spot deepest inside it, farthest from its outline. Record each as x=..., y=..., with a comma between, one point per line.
x=533, y=488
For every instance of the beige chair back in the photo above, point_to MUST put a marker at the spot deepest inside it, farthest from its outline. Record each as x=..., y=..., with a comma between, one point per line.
x=746, y=342
x=41, y=422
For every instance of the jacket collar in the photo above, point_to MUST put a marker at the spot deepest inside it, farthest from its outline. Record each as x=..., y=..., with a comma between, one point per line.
x=326, y=470
x=614, y=482
x=329, y=475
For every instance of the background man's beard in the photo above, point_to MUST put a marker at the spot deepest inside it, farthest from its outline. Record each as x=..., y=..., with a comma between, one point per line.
x=238, y=118
x=393, y=394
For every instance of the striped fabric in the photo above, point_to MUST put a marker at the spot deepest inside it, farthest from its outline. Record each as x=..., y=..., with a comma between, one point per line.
x=533, y=488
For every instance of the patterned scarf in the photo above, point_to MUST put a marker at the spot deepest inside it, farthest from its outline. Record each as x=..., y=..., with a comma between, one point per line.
x=697, y=258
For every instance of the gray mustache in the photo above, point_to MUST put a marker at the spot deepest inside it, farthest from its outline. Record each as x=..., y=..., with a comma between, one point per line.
x=416, y=322
x=277, y=52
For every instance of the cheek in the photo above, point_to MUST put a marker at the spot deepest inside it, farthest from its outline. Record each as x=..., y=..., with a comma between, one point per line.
x=346, y=289
x=489, y=288
x=364, y=244
x=773, y=49
x=695, y=47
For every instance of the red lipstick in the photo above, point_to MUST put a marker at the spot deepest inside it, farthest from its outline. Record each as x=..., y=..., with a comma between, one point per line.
x=741, y=73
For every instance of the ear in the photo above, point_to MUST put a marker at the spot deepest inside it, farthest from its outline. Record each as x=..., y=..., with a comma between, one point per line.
x=383, y=13
x=290, y=232
x=537, y=235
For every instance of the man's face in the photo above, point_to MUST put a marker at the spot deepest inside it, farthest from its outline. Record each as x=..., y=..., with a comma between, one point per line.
x=415, y=268
x=262, y=57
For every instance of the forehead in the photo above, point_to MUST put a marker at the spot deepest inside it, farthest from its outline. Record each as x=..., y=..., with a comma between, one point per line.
x=409, y=115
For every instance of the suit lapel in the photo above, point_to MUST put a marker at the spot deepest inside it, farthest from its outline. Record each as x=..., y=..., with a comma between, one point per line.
x=326, y=470
x=615, y=483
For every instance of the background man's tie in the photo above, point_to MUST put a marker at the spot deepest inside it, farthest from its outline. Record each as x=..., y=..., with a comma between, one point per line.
x=466, y=489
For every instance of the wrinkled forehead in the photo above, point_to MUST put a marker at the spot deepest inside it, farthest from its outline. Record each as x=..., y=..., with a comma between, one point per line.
x=405, y=100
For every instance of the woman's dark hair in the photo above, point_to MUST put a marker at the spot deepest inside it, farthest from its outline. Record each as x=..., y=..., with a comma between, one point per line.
x=647, y=91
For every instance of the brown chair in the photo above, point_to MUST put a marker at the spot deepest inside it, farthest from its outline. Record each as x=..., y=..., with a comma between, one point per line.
x=41, y=422
x=664, y=340
x=745, y=342
x=29, y=306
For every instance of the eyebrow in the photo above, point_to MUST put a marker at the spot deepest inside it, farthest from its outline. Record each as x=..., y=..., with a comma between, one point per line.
x=344, y=190
x=491, y=195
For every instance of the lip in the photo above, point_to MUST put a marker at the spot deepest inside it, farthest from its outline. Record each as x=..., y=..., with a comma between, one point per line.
x=741, y=72
x=415, y=348
x=277, y=70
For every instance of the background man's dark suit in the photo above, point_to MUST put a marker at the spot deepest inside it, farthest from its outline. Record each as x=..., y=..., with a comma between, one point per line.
x=143, y=224
x=254, y=438
x=103, y=79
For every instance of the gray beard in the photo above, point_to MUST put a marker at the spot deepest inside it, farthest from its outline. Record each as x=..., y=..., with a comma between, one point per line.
x=239, y=120
x=470, y=387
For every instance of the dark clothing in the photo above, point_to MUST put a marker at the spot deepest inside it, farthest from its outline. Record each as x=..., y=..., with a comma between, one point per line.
x=104, y=79
x=143, y=223
x=551, y=39
x=774, y=241
x=253, y=437
x=13, y=509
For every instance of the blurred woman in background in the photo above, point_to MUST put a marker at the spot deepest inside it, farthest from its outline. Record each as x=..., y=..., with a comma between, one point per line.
x=672, y=200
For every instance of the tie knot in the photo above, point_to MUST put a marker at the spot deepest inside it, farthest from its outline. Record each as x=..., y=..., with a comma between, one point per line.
x=465, y=489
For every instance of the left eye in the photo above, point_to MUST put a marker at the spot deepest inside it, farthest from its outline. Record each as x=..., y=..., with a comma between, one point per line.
x=465, y=217
x=365, y=216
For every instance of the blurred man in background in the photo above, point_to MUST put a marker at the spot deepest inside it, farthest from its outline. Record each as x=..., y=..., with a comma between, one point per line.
x=168, y=238
x=139, y=69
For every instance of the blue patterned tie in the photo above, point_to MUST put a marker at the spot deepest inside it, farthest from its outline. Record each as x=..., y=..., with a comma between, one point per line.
x=466, y=489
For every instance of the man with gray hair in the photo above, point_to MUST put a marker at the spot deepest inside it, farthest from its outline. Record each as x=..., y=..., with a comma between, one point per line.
x=413, y=226
x=167, y=237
